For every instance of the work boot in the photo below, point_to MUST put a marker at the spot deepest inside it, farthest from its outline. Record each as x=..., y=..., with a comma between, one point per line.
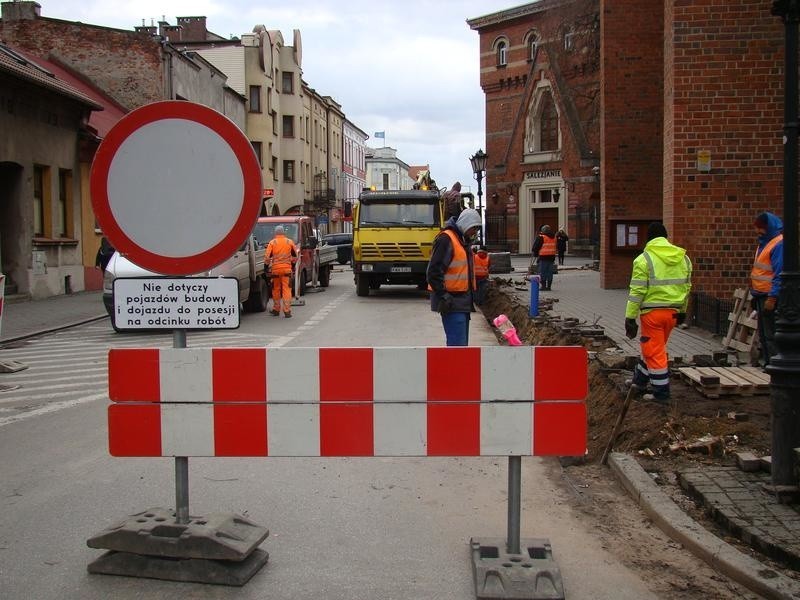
x=664, y=400
x=274, y=312
x=288, y=315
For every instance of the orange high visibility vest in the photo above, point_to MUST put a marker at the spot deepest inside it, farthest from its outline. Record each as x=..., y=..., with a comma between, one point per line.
x=548, y=246
x=761, y=274
x=280, y=251
x=456, y=277
x=481, y=265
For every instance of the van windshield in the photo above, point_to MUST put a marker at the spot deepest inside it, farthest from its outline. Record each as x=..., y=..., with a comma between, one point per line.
x=264, y=232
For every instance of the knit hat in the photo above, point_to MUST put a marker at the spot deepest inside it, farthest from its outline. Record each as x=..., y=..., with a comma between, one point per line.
x=656, y=229
x=278, y=229
x=468, y=219
x=546, y=229
x=762, y=222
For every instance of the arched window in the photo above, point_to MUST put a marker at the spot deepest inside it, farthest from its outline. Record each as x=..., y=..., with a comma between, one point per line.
x=542, y=133
x=548, y=125
x=502, y=54
x=533, y=46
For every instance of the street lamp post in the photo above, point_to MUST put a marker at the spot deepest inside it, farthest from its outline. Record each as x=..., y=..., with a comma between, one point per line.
x=784, y=369
x=478, y=161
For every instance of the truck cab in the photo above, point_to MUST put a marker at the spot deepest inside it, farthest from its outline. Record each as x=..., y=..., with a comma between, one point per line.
x=393, y=233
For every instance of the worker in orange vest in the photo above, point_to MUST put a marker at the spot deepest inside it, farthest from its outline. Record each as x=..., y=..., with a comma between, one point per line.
x=765, y=279
x=451, y=275
x=280, y=255
x=544, y=248
x=480, y=260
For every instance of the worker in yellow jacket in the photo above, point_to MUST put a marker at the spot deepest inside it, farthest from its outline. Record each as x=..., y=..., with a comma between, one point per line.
x=659, y=294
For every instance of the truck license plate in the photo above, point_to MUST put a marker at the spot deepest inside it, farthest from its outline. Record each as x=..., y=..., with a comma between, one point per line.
x=401, y=269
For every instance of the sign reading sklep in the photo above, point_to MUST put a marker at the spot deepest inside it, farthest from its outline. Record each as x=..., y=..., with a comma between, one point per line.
x=184, y=303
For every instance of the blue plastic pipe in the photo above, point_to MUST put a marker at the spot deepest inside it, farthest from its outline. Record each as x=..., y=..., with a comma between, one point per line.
x=534, y=307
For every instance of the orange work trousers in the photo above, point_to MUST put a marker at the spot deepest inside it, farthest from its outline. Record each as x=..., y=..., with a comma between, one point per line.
x=282, y=293
x=656, y=327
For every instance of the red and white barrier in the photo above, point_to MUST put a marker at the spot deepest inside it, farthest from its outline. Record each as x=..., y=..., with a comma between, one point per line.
x=470, y=401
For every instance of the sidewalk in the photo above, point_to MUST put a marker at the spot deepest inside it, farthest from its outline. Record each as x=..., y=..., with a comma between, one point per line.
x=32, y=317
x=580, y=296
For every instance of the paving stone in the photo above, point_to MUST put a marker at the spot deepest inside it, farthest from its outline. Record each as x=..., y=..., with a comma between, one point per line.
x=748, y=462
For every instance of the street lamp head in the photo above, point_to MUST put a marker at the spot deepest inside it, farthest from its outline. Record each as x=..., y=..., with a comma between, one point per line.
x=478, y=161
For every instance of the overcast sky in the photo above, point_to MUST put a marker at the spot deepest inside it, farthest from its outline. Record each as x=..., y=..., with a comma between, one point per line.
x=409, y=68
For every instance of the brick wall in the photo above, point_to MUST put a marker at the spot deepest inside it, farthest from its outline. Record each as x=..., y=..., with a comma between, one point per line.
x=125, y=64
x=631, y=132
x=724, y=94
x=574, y=77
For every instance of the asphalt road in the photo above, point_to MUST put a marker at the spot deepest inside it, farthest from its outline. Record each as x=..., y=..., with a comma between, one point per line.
x=341, y=528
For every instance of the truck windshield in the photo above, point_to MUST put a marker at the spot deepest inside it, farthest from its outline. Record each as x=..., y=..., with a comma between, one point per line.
x=394, y=214
x=264, y=232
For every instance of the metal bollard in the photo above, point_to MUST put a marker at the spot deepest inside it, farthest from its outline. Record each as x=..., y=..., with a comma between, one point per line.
x=534, y=305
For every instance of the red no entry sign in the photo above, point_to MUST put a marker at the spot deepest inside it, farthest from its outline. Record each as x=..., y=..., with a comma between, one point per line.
x=176, y=187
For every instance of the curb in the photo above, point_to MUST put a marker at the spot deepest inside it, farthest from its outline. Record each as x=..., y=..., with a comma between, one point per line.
x=719, y=555
x=24, y=336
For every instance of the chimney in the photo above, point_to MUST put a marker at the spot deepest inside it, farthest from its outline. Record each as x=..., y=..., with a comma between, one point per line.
x=20, y=11
x=194, y=28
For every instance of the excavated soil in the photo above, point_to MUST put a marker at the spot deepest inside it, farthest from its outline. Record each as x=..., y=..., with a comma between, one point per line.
x=648, y=429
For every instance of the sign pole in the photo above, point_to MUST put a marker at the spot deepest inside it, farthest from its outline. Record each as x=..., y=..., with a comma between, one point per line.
x=181, y=462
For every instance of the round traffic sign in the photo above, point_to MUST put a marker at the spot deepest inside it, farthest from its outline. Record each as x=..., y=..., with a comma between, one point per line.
x=176, y=187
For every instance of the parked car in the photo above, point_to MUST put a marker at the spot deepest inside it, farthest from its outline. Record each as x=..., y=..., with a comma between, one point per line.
x=246, y=265
x=344, y=246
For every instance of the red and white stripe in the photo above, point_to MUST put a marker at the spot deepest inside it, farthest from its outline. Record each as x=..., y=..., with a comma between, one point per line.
x=468, y=401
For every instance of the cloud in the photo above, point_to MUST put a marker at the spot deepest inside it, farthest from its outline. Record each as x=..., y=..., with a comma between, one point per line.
x=409, y=68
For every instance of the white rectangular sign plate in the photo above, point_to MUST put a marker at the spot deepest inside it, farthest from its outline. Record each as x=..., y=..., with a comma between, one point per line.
x=176, y=303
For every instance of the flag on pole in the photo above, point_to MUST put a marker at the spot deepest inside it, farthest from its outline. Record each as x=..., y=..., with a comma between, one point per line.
x=380, y=134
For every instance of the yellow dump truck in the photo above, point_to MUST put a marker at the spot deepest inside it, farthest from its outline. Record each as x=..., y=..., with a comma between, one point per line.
x=393, y=233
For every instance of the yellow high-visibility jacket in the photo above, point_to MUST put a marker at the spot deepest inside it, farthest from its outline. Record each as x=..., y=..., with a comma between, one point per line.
x=661, y=278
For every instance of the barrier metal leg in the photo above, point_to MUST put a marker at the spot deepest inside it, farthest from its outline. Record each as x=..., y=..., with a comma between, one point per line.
x=514, y=494
x=181, y=462
x=515, y=569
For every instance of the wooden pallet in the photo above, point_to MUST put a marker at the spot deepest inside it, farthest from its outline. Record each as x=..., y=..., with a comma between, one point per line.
x=742, y=330
x=714, y=382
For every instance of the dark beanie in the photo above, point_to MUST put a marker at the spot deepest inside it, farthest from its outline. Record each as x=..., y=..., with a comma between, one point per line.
x=761, y=221
x=656, y=229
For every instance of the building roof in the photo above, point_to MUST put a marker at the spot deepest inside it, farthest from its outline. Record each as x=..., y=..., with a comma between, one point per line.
x=41, y=72
x=513, y=13
x=414, y=170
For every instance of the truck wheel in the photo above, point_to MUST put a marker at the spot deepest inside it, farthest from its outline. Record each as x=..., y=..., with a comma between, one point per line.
x=302, y=284
x=362, y=285
x=324, y=276
x=258, y=300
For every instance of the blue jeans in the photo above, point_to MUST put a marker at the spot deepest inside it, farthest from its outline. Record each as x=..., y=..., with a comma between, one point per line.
x=456, y=328
x=546, y=272
x=480, y=293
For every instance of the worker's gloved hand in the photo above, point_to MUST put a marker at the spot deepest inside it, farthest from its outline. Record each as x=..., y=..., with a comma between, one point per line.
x=680, y=318
x=446, y=303
x=769, y=303
x=631, y=328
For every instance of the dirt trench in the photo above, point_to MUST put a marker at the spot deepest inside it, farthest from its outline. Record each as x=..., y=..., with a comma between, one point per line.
x=649, y=429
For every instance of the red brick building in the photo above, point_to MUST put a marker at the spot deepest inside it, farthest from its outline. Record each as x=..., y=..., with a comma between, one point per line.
x=717, y=116
x=687, y=126
x=540, y=71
